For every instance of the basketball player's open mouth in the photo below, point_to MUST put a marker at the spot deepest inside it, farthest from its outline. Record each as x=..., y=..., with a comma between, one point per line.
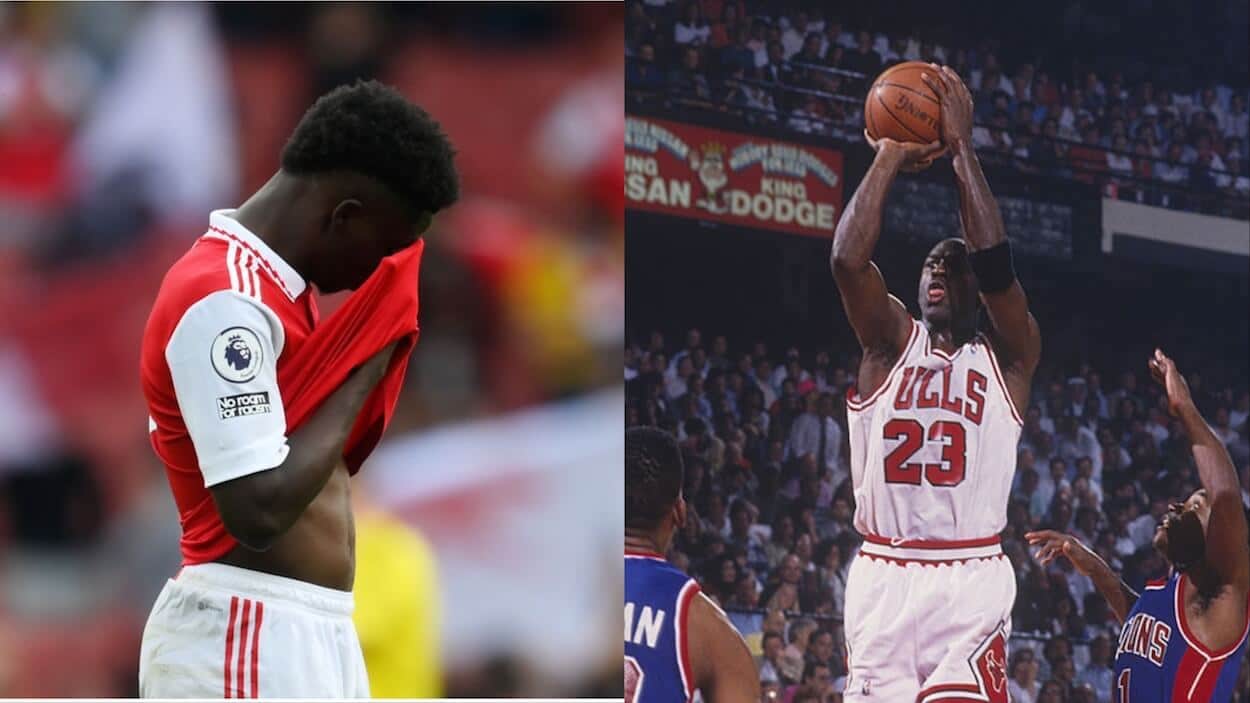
x=937, y=292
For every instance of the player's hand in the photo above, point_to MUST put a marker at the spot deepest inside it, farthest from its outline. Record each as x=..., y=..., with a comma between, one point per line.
x=911, y=156
x=956, y=102
x=1164, y=371
x=1055, y=544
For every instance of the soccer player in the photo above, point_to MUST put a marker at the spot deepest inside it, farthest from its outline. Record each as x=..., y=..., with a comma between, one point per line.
x=262, y=605
x=933, y=425
x=1184, y=636
x=676, y=640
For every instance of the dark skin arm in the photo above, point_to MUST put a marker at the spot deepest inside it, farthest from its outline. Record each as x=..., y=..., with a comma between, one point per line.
x=1226, y=533
x=1015, y=333
x=724, y=671
x=881, y=323
x=1054, y=544
x=258, y=508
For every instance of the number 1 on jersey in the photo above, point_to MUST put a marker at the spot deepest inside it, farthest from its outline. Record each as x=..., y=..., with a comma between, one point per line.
x=949, y=472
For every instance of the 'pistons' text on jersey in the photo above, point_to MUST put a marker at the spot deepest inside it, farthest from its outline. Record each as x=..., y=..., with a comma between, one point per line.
x=1160, y=659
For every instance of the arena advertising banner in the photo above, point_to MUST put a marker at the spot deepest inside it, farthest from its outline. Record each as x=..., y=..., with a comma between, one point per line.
x=739, y=179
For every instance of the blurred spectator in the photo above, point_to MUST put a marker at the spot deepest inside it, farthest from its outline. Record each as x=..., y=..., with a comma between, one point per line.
x=643, y=72
x=1172, y=170
x=692, y=28
x=1236, y=125
x=346, y=42
x=862, y=59
x=1097, y=674
x=1022, y=684
x=769, y=662
x=688, y=79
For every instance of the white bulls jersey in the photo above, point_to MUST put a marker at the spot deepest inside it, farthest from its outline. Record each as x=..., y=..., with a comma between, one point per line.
x=933, y=450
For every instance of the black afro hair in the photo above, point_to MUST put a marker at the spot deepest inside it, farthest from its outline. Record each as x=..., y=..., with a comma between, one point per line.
x=369, y=128
x=653, y=476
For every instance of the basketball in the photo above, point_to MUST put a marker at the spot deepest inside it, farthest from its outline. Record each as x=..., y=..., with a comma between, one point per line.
x=901, y=107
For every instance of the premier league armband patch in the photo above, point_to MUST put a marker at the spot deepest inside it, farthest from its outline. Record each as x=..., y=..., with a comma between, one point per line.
x=243, y=404
x=237, y=354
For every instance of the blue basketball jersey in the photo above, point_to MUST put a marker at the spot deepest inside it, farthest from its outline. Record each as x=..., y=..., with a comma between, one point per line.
x=1159, y=659
x=657, y=604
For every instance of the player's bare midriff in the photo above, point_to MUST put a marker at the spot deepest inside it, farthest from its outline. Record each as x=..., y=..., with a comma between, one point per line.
x=320, y=548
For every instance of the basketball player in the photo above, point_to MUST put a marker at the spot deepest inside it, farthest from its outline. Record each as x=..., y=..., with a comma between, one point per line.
x=676, y=640
x=1184, y=636
x=263, y=603
x=933, y=424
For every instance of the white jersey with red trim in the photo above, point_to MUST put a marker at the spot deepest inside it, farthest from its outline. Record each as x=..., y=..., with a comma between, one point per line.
x=933, y=449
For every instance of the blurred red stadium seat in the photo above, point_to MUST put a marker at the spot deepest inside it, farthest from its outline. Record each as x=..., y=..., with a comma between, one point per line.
x=270, y=83
x=72, y=657
x=80, y=330
x=490, y=124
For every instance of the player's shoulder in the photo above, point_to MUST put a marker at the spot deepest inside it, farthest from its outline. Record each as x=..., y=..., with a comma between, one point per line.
x=230, y=269
x=203, y=300
x=198, y=273
x=654, y=564
x=229, y=257
x=659, y=578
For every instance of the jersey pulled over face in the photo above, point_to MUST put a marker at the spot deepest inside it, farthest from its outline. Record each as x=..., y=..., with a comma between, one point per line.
x=933, y=450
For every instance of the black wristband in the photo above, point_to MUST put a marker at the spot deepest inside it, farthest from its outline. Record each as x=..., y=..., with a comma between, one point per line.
x=993, y=268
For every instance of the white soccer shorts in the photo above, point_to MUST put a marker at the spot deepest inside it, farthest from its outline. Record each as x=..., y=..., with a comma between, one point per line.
x=221, y=631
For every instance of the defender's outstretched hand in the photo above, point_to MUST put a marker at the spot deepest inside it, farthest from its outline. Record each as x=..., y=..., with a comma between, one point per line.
x=912, y=156
x=1164, y=371
x=1055, y=544
x=956, y=102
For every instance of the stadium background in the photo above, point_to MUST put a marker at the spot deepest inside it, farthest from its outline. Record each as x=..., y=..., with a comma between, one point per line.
x=1121, y=247
x=122, y=125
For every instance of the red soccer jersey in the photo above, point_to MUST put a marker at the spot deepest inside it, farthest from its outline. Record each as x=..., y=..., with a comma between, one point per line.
x=233, y=359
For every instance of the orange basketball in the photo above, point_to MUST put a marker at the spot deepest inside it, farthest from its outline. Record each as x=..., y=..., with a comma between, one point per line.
x=901, y=107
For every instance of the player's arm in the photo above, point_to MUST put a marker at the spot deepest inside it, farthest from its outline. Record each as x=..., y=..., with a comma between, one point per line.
x=1053, y=544
x=880, y=321
x=724, y=671
x=261, y=479
x=1226, y=534
x=1014, y=328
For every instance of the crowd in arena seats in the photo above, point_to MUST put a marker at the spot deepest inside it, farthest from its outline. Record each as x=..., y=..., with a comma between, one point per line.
x=805, y=71
x=769, y=533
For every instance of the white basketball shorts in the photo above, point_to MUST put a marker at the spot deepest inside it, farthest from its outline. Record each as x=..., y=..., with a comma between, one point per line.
x=928, y=621
x=220, y=631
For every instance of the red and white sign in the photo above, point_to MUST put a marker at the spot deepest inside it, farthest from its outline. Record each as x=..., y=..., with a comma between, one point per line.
x=740, y=179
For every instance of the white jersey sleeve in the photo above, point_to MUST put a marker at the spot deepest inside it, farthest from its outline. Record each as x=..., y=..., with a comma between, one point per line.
x=223, y=359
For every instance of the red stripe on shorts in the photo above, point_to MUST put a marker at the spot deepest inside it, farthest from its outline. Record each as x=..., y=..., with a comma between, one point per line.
x=234, y=611
x=260, y=616
x=247, y=616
